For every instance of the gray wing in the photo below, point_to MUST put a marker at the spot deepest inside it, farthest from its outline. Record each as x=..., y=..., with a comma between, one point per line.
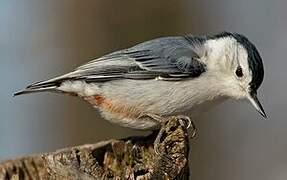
x=170, y=58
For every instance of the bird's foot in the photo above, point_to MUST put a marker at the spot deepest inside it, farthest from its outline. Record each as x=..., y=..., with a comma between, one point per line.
x=184, y=121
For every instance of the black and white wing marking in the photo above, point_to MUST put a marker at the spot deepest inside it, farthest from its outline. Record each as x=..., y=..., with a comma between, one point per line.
x=171, y=58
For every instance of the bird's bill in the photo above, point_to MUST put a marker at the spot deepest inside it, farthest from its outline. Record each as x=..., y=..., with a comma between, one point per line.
x=252, y=97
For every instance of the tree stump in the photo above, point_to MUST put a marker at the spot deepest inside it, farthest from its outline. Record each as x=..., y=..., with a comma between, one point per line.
x=129, y=158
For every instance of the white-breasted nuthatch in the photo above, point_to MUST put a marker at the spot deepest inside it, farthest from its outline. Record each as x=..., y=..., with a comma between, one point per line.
x=166, y=76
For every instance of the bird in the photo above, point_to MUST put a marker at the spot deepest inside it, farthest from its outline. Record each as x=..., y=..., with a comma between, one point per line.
x=139, y=86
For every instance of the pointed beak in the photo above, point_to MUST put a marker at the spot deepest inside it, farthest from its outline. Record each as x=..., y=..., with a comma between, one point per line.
x=252, y=97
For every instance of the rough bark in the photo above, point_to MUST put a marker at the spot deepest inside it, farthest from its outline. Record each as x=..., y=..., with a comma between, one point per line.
x=130, y=158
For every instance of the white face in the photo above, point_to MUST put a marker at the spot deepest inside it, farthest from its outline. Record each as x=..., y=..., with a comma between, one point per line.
x=228, y=61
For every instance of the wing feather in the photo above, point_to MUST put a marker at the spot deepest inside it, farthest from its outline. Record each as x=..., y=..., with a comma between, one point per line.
x=170, y=58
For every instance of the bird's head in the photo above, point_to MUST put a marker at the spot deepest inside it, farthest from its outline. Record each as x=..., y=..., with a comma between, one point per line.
x=237, y=65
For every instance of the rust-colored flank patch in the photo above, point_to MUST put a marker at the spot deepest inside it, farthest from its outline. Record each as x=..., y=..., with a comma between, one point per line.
x=115, y=108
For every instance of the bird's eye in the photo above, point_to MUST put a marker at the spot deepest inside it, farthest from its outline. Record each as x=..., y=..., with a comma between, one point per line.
x=239, y=72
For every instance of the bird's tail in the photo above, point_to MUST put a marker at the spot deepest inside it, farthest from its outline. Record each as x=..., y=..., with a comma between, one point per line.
x=42, y=86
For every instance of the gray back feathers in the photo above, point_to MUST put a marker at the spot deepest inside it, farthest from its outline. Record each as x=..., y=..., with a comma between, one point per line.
x=168, y=58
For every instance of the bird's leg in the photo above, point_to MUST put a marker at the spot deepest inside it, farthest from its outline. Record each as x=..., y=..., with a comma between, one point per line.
x=152, y=117
x=158, y=133
x=157, y=142
x=184, y=121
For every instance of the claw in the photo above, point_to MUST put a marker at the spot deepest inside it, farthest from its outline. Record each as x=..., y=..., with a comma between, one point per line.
x=135, y=150
x=156, y=150
x=187, y=122
x=156, y=143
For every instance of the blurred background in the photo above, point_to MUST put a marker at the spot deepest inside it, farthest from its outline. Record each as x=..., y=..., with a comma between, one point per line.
x=41, y=39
